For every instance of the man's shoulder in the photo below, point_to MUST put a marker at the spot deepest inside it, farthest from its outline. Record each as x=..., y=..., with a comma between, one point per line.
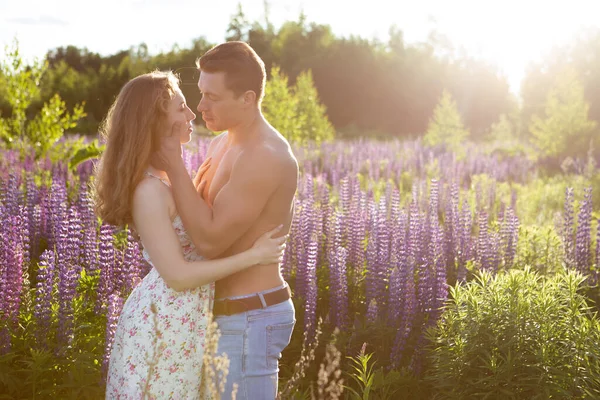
x=272, y=152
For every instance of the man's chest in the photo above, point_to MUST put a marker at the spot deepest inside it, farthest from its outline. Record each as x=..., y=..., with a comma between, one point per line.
x=219, y=173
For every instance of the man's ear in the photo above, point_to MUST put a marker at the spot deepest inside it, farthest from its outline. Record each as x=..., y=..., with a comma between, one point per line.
x=249, y=97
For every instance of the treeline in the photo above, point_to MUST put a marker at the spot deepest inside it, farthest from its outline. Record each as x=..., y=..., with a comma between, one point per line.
x=368, y=87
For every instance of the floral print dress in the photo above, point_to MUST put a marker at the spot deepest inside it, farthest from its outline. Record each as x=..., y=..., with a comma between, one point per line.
x=159, y=341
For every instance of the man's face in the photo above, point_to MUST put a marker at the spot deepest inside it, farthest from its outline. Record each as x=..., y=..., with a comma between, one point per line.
x=221, y=109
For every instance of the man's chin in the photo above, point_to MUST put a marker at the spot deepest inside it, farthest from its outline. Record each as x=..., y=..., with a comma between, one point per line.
x=211, y=126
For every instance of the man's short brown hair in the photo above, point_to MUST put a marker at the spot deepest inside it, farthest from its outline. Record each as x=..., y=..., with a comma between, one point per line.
x=244, y=69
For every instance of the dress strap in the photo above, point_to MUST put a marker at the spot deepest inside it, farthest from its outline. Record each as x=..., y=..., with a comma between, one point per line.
x=158, y=177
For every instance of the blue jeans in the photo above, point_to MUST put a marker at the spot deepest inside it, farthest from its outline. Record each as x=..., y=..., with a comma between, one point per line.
x=253, y=341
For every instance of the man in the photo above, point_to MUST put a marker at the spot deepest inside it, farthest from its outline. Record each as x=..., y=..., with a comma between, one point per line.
x=248, y=185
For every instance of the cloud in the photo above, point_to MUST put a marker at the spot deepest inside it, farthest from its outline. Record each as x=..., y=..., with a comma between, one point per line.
x=42, y=20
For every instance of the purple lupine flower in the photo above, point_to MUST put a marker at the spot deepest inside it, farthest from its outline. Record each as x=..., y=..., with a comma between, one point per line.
x=568, y=229
x=310, y=302
x=25, y=237
x=465, y=243
x=415, y=251
x=354, y=223
x=440, y=286
x=304, y=238
x=131, y=264
x=44, y=213
x=334, y=238
x=32, y=224
x=44, y=297
x=452, y=230
x=372, y=311
x=339, y=289
x=115, y=305
x=395, y=297
x=583, y=237
x=75, y=240
x=357, y=250
x=11, y=277
x=483, y=243
x=67, y=256
x=384, y=268
x=344, y=192
x=509, y=236
x=290, y=252
x=372, y=275
x=295, y=237
x=327, y=211
x=10, y=195
x=106, y=259
x=57, y=208
x=595, y=276
x=494, y=250
x=409, y=311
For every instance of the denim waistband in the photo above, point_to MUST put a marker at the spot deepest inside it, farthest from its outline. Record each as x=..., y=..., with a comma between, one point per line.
x=253, y=294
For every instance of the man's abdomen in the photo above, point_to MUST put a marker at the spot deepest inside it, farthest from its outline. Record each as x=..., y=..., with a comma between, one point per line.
x=251, y=280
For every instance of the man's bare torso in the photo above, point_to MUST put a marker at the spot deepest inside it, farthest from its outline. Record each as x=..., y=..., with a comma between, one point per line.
x=278, y=210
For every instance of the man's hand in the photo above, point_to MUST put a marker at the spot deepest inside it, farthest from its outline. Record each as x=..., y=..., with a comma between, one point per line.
x=169, y=153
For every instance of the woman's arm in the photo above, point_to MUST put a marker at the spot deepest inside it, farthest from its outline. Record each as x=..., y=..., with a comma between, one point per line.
x=153, y=223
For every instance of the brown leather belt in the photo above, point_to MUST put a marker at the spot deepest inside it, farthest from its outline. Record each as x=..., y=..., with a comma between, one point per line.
x=236, y=306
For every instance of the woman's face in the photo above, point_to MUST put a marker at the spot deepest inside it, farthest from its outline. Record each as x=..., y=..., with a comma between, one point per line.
x=178, y=111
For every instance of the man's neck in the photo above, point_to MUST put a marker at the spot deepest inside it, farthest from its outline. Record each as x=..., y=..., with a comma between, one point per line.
x=247, y=131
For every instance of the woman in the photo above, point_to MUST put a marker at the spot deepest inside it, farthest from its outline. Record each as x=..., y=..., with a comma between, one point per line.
x=158, y=345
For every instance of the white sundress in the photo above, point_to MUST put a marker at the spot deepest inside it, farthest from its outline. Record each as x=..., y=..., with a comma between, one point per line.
x=168, y=365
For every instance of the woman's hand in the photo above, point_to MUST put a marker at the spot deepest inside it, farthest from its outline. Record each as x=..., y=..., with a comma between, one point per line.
x=198, y=183
x=269, y=250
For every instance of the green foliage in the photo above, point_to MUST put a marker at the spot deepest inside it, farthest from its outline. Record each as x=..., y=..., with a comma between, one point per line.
x=540, y=248
x=296, y=112
x=33, y=371
x=565, y=128
x=504, y=138
x=516, y=335
x=316, y=127
x=446, y=127
x=371, y=383
x=279, y=105
x=23, y=88
x=83, y=153
x=382, y=88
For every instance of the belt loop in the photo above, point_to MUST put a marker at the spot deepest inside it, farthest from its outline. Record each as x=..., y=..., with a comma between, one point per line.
x=262, y=300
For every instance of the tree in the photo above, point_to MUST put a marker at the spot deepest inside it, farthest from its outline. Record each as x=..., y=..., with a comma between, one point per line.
x=315, y=125
x=280, y=106
x=446, y=127
x=564, y=129
x=23, y=87
x=238, y=26
x=296, y=111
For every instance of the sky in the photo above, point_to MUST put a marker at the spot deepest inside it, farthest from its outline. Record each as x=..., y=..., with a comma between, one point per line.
x=508, y=33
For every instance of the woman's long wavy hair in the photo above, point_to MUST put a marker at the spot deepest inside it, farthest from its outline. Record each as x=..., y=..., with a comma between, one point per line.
x=131, y=131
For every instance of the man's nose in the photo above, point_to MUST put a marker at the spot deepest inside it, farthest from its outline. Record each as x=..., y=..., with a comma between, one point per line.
x=201, y=106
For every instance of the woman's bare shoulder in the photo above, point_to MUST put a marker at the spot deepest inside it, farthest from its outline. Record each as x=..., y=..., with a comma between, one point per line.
x=150, y=196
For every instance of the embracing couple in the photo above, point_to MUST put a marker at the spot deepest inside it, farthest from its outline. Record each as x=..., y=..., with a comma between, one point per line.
x=215, y=242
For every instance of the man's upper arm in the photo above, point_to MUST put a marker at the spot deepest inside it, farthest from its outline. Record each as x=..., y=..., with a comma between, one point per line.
x=254, y=177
